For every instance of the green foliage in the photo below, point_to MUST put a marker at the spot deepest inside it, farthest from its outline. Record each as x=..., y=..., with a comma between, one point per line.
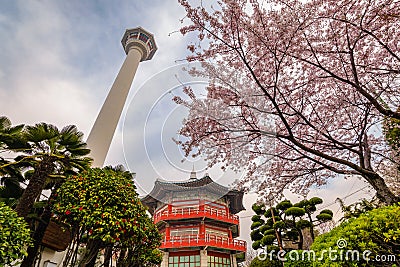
x=377, y=230
x=268, y=214
x=303, y=223
x=270, y=221
x=265, y=263
x=241, y=257
x=10, y=176
x=288, y=222
x=105, y=205
x=295, y=258
x=10, y=136
x=356, y=209
x=148, y=256
x=284, y=205
x=324, y=217
x=279, y=225
x=255, y=225
x=51, y=153
x=327, y=212
x=104, y=202
x=295, y=211
x=14, y=236
x=264, y=228
x=256, y=218
x=258, y=209
x=315, y=201
x=292, y=234
x=256, y=244
x=10, y=190
x=269, y=232
x=256, y=235
x=309, y=205
x=268, y=239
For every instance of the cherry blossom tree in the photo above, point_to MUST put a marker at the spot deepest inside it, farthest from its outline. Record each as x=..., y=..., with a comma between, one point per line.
x=298, y=89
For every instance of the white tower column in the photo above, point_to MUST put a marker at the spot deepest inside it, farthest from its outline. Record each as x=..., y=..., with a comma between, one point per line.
x=139, y=45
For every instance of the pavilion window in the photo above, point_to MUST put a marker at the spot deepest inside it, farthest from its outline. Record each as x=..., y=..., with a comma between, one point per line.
x=215, y=232
x=184, y=232
x=218, y=261
x=184, y=261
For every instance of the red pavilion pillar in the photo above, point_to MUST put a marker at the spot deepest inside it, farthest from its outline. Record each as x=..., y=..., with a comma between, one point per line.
x=167, y=232
x=201, y=205
x=202, y=230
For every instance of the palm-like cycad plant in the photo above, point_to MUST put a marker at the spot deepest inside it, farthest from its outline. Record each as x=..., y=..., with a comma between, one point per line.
x=11, y=140
x=10, y=136
x=50, y=153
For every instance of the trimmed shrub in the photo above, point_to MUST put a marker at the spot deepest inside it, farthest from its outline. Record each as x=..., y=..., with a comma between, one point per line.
x=14, y=236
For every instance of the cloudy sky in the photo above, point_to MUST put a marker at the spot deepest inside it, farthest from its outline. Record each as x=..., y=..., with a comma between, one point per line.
x=59, y=58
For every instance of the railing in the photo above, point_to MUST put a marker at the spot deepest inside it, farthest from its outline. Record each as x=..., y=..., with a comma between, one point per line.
x=195, y=212
x=207, y=240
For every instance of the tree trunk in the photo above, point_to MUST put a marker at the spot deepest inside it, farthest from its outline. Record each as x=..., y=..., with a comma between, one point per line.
x=301, y=239
x=278, y=238
x=383, y=192
x=37, y=238
x=311, y=226
x=92, y=262
x=35, y=187
x=39, y=232
x=90, y=256
x=107, y=256
x=121, y=258
x=132, y=261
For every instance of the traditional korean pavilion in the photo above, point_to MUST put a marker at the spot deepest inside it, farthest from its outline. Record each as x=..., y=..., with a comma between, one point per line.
x=197, y=219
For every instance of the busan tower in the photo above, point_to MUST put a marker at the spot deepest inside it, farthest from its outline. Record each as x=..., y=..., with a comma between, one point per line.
x=139, y=45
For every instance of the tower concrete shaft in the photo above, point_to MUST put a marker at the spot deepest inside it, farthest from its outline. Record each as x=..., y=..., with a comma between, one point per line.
x=139, y=45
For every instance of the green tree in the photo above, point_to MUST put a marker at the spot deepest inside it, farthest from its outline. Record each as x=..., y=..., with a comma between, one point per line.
x=377, y=231
x=103, y=209
x=265, y=263
x=14, y=236
x=46, y=155
x=10, y=136
x=51, y=153
x=10, y=175
x=356, y=209
x=10, y=186
x=286, y=222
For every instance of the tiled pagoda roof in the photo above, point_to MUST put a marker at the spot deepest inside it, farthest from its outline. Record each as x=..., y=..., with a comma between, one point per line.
x=162, y=187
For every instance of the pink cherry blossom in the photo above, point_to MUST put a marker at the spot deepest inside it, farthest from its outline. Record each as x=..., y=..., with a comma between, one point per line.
x=298, y=90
